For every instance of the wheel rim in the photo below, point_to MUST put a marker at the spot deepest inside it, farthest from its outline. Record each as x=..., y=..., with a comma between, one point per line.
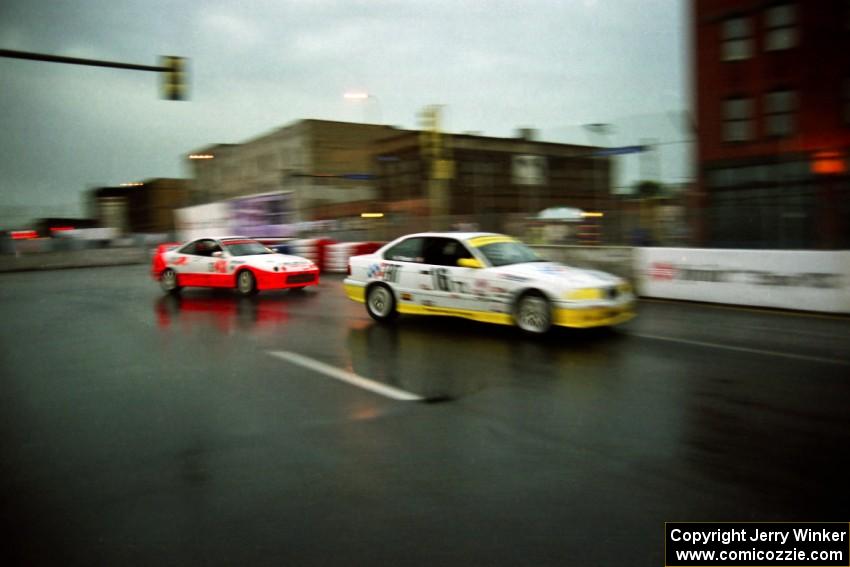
x=169, y=279
x=245, y=283
x=533, y=315
x=379, y=301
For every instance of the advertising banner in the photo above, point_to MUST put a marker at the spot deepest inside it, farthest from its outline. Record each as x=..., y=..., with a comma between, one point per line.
x=212, y=219
x=784, y=279
x=263, y=216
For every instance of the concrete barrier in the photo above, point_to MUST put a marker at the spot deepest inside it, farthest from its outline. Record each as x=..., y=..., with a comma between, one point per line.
x=74, y=259
x=804, y=280
x=784, y=279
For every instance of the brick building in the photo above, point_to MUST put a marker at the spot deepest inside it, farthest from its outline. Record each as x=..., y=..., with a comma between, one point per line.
x=492, y=178
x=772, y=83
x=323, y=162
x=144, y=208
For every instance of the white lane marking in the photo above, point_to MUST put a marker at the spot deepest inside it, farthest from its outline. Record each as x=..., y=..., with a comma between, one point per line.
x=745, y=349
x=346, y=376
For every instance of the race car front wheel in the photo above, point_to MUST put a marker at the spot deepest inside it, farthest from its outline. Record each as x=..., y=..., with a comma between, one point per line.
x=246, y=284
x=168, y=281
x=533, y=314
x=380, y=303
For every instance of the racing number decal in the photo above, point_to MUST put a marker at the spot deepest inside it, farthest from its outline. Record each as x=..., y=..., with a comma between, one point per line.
x=218, y=267
x=391, y=272
x=441, y=279
x=443, y=283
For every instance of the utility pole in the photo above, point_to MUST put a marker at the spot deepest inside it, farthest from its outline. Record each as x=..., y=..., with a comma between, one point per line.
x=440, y=167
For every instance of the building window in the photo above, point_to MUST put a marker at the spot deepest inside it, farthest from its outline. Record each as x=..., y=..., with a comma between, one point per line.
x=779, y=108
x=737, y=119
x=737, y=39
x=781, y=33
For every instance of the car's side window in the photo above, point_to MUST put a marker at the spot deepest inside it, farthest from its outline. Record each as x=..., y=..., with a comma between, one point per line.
x=444, y=251
x=189, y=248
x=201, y=248
x=409, y=250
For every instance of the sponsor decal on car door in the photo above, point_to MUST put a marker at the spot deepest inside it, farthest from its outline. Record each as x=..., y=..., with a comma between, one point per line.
x=193, y=263
x=441, y=282
x=400, y=268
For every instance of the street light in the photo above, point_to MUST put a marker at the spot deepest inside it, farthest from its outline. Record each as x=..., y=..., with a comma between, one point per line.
x=364, y=96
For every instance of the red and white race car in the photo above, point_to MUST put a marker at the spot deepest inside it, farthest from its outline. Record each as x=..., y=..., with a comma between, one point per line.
x=230, y=262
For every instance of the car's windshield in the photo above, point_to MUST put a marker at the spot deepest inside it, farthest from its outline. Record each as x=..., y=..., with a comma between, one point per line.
x=509, y=252
x=246, y=248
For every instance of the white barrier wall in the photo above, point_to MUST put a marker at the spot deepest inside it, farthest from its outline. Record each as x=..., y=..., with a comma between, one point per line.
x=211, y=219
x=785, y=279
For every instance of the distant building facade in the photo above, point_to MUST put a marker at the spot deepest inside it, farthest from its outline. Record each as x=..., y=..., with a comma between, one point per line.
x=489, y=179
x=338, y=170
x=772, y=84
x=323, y=162
x=144, y=208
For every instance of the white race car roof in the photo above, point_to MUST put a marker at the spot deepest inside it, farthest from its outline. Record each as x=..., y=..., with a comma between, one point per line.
x=458, y=235
x=222, y=238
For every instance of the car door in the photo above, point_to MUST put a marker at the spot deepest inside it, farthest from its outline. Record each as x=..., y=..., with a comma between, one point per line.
x=194, y=262
x=219, y=267
x=400, y=267
x=444, y=283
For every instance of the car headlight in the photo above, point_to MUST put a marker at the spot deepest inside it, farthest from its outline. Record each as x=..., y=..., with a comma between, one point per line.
x=624, y=287
x=584, y=294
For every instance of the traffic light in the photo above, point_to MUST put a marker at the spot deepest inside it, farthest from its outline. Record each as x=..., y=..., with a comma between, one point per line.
x=173, y=78
x=429, y=137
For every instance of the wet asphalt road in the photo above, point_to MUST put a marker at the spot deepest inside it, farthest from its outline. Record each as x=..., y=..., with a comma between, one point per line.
x=138, y=429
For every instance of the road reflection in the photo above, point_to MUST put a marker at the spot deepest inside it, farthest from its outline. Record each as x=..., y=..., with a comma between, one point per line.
x=782, y=448
x=442, y=359
x=223, y=312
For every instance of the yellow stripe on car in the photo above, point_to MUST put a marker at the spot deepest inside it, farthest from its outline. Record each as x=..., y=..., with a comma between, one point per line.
x=597, y=317
x=355, y=292
x=483, y=316
x=584, y=293
x=480, y=241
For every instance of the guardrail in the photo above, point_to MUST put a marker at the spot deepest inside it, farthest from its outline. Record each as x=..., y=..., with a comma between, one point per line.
x=74, y=259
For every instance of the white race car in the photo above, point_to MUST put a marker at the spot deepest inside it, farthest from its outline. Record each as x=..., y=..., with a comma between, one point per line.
x=486, y=277
x=230, y=262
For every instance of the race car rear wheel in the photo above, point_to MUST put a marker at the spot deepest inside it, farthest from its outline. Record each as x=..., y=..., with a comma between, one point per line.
x=380, y=303
x=168, y=281
x=246, y=283
x=533, y=314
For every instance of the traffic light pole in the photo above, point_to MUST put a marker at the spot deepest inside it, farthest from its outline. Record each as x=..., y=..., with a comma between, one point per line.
x=169, y=69
x=77, y=61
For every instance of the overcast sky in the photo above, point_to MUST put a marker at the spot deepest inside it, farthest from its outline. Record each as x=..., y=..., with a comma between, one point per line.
x=258, y=65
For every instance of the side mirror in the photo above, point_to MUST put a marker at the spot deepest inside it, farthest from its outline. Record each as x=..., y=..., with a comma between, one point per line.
x=217, y=254
x=469, y=263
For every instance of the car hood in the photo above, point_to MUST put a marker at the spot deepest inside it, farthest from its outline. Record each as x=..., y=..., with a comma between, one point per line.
x=557, y=274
